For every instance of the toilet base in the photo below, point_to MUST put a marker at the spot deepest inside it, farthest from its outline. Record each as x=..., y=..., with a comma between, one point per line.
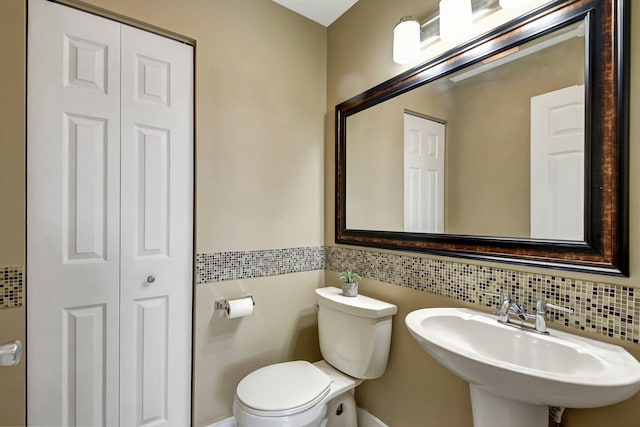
x=313, y=417
x=341, y=411
x=338, y=412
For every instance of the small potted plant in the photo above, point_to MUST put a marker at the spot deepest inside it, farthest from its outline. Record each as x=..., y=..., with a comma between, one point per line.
x=349, y=283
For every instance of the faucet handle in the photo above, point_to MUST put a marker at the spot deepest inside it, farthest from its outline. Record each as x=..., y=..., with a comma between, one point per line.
x=542, y=305
x=505, y=303
x=541, y=313
x=561, y=308
x=502, y=295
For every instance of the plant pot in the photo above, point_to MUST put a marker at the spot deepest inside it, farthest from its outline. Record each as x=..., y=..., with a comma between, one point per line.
x=350, y=289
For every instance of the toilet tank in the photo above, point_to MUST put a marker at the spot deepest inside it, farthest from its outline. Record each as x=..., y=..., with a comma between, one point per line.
x=354, y=332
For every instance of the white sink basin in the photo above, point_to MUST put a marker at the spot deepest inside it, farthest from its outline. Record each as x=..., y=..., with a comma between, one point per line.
x=505, y=364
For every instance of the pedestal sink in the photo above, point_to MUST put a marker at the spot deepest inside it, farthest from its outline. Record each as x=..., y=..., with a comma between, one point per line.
x=515, y=375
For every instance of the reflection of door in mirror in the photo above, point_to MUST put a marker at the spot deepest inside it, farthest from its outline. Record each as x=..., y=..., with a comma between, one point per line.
x=424, y=152
x=557, y=164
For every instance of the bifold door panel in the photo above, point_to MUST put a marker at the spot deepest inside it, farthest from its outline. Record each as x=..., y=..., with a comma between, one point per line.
x=109, y=204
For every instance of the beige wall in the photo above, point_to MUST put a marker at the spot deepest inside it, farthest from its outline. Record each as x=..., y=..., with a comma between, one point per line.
x=415, y=391
x=12, y=131
x=12, y=193
x=260, y=103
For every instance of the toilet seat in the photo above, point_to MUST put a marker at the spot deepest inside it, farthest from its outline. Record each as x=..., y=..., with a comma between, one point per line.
x=283, y=389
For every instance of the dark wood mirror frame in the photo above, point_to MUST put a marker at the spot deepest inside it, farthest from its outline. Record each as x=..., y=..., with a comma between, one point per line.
x=605, y=249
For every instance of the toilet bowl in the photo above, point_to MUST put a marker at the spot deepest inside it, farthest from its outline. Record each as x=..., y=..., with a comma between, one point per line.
x=296, y=394
x=355, y=334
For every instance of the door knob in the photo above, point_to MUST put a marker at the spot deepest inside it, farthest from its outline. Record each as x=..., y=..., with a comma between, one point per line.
x=10, y=353
x=151, y=279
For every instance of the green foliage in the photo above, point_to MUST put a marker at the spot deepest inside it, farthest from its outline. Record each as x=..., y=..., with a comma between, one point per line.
x=349, y=276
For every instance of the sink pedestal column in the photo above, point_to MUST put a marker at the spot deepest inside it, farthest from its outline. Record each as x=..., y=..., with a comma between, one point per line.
x=490, y=410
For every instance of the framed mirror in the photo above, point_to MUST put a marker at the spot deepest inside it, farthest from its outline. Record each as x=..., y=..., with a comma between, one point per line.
x=511, y=147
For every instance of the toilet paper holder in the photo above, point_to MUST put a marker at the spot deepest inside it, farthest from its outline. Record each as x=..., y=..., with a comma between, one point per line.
x=223, y=304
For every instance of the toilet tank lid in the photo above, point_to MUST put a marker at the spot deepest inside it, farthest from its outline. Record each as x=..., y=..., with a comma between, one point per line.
x=360, y=305
x=284, y=388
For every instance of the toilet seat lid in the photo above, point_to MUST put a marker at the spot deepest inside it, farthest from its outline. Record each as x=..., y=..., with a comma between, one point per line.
x=289, y=387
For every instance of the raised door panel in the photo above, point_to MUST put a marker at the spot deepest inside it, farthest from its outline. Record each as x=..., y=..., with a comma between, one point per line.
x=157, y=237
x=73, y=193
x=153, y=80
x=413, y=177
x=85, y=63
x=84, y=190
x=414, y=193
x=152, y=382
x=152, y=187
x=434, y=188
x=432, y=221
x=83, y=375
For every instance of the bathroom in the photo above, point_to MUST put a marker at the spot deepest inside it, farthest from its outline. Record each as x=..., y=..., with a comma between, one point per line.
x=267, y=81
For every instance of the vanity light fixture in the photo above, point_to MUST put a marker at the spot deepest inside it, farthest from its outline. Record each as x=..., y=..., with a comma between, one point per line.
x=410, y=36
x=455, y=19
x=406, y=40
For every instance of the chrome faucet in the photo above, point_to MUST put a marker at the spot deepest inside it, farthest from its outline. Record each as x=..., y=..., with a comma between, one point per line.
x=517, y=309
x=508, y=308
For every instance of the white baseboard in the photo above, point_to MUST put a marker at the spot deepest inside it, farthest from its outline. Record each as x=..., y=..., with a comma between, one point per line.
x=365, y=419
x=229, y=422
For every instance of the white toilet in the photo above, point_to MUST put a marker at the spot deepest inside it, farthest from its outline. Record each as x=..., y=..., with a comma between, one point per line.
x=354, y=333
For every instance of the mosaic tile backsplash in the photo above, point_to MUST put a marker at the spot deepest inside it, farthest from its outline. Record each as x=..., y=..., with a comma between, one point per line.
x=11, y=285
x=221, y=266
x=602, y=308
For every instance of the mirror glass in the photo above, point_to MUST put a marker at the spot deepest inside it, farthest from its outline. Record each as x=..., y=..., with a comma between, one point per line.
x=494, y=149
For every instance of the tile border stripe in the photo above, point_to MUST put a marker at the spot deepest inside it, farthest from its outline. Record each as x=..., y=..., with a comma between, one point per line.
x=11, y=286
x=220, y=266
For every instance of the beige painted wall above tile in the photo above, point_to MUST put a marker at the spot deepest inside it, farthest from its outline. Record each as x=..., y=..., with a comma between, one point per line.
x=12, y=201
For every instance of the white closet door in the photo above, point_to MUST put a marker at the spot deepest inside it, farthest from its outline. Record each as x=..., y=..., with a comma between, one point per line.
x=157, y=241
x=73, y=214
